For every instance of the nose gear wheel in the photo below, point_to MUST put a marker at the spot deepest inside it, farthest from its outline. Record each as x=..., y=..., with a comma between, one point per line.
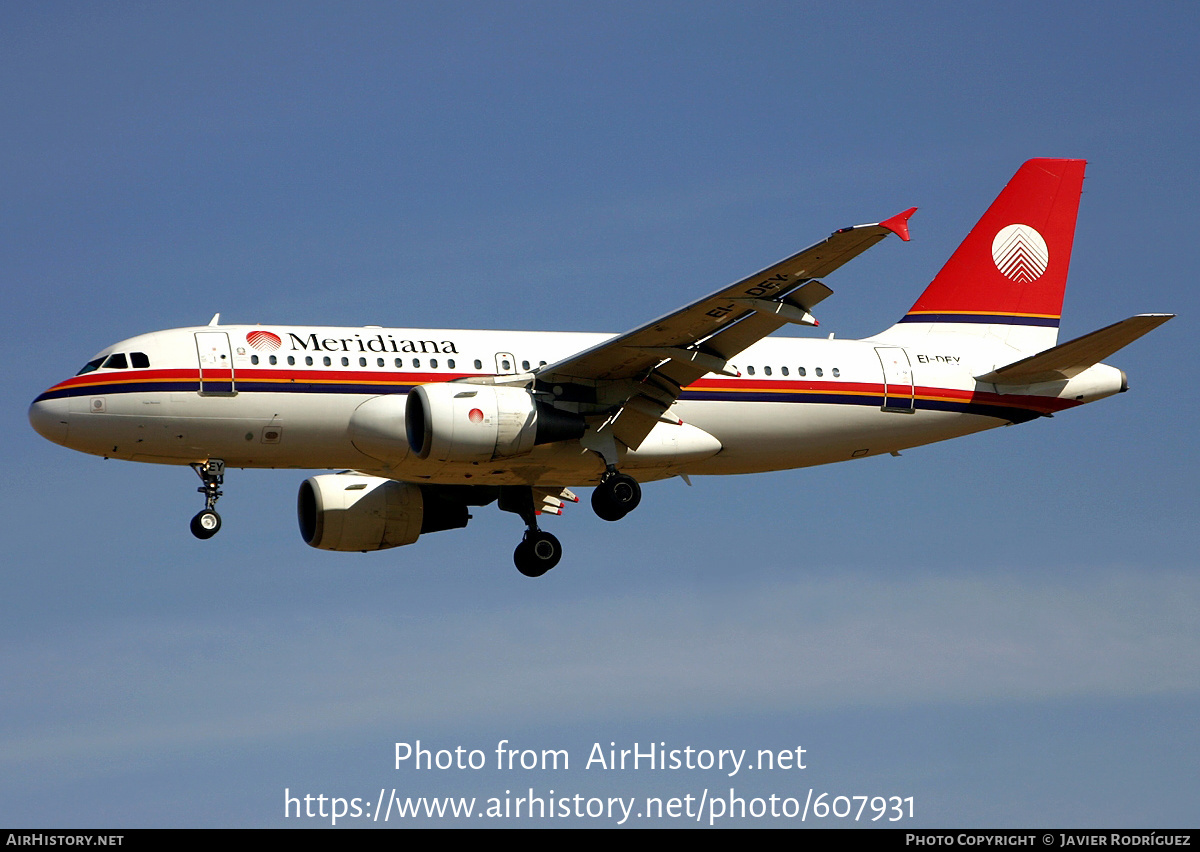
x=207, y=522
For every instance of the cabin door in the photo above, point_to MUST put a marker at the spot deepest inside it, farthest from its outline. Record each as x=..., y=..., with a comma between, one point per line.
x=216, y=363
x=897, y=379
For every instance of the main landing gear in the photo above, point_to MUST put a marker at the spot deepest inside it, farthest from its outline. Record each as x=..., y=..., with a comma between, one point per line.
x=212, y=473
x=616, y=496
x=539, y=551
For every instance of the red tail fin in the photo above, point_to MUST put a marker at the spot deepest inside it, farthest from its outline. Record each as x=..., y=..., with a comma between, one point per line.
x=1012, y=268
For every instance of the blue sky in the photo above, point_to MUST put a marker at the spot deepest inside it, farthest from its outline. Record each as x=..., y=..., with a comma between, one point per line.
x=1002, y=627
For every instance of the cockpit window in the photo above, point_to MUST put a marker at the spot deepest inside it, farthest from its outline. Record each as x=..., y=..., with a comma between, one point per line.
x=139, y=359
x=94, y=364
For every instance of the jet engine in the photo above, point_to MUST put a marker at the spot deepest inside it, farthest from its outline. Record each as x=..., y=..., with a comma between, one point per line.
x=475, y=423
x=355, y=512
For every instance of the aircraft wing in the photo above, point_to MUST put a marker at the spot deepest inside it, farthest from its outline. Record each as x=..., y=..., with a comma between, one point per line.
x=639, y=374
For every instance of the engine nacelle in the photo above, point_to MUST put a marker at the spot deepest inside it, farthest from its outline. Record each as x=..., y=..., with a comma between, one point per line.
x=355, y=512
x=478, y=423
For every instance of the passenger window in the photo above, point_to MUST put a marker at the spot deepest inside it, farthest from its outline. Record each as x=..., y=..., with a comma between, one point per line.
x=308, y=360
x=362, y=362
x=783, y=370
x=378, y=362
x=525, y=366
x=836, y=372
x=253, y=359
x=345, y=361
x=478, y=364
x=433, y=363
x=450, y=363
x=116, y=361
x=327, y=361
x=139, y=359
x=416, y=362
x=800, y=371
x=819, y=372
x=504, y=364
x=291, y=360
x=767, y=370
x=273, y=360
x=750, y=370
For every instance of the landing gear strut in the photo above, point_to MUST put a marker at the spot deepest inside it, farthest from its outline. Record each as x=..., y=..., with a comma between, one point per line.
x=539, y=551
x=616, y=496
x=207, y=522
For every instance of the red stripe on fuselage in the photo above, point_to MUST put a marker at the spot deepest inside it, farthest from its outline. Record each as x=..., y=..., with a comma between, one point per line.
x=130, y=380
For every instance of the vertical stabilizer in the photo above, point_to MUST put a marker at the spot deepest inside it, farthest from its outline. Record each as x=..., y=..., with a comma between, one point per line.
x=1007, y=279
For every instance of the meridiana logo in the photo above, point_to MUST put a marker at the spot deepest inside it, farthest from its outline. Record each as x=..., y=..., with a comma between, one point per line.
x=263, y=340
x=1020, y=253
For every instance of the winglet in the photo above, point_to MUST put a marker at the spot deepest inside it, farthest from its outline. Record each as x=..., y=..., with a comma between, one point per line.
x=898, y=224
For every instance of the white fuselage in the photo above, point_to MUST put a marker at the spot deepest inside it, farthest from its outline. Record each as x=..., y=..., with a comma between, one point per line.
x=308, y=397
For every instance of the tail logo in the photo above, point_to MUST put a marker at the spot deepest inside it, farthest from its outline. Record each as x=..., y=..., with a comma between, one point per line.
x=1020, y=253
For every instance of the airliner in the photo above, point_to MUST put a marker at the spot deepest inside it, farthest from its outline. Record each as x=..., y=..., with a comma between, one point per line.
x=426, y=424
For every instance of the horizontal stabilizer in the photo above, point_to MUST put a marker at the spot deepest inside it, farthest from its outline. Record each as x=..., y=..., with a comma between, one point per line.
x=1069, y=359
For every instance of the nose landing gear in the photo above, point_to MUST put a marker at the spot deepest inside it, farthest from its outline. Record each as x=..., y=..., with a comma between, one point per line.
x=207, y=522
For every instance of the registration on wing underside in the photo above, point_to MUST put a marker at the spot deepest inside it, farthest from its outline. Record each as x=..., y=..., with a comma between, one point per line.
x=649, y=365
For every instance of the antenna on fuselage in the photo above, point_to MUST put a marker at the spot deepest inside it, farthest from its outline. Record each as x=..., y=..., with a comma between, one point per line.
x=216, y=320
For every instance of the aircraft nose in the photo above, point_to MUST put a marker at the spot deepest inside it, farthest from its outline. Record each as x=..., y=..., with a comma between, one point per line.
x=49, y=419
